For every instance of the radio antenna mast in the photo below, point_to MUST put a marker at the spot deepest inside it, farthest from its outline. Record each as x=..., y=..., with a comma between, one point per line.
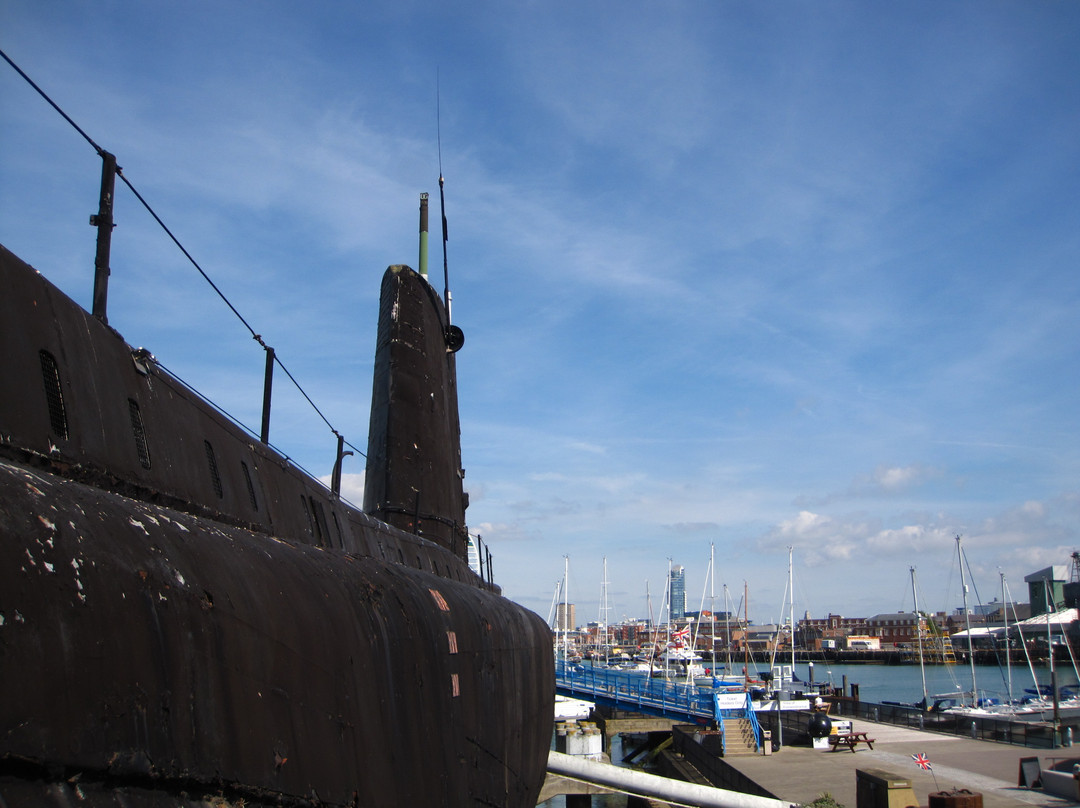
x=455, y=338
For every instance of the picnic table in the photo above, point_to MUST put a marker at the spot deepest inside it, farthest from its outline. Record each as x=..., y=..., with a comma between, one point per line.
x=850, y=740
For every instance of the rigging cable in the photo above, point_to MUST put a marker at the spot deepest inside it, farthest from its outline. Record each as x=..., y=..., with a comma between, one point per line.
x=442, y=198
x=453, y=335
x=257, y=337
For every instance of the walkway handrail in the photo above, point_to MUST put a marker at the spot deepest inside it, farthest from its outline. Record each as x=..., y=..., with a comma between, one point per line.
x=635, y=692
x=737, y=705
x=754, y=723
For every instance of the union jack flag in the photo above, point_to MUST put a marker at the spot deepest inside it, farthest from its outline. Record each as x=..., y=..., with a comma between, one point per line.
x=922, y=761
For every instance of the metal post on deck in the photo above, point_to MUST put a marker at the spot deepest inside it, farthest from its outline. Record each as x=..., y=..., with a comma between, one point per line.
x=335, y=479
x=268, y=386
x=423, y=235
x=103, y=221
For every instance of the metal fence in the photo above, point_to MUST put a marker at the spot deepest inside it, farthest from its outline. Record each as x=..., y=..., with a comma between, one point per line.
x=1041, y=735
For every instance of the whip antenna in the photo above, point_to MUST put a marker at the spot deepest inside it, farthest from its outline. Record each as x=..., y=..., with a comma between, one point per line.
x=455, y=338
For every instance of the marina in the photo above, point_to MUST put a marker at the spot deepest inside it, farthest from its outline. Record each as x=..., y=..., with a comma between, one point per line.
x=784, y=761
x=770, y=722
x=700, y=650
x=800, y=771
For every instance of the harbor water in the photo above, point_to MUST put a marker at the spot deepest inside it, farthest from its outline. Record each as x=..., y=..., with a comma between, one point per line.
x=903, y=683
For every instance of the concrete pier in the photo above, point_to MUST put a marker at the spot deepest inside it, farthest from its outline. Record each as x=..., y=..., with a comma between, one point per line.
x=800, y=774
x=796, y=773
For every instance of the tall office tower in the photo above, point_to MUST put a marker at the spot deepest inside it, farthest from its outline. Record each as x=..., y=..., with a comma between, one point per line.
x=565, y=617
x=677, y=592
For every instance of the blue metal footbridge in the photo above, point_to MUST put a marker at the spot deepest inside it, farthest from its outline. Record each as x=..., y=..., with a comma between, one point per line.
x=654, y=696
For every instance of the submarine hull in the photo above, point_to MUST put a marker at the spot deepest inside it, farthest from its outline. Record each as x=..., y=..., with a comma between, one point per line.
x=267, y=645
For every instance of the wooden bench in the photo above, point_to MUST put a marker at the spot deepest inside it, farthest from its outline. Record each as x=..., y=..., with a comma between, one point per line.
x=850, y=740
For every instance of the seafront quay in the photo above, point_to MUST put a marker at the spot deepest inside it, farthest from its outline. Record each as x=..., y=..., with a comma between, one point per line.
x=787, y=751
x=1041, y=734
x=799, y=773
x=878, y=773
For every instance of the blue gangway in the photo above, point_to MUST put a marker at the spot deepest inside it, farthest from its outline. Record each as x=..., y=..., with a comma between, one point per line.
x=653, y=696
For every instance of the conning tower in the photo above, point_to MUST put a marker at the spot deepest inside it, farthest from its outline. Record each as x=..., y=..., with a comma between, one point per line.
x=414, y=474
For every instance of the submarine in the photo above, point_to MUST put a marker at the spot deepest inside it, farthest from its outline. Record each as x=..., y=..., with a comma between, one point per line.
x=189, y=619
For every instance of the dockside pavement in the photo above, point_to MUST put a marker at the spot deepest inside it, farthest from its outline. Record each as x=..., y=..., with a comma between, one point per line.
x=800, y=774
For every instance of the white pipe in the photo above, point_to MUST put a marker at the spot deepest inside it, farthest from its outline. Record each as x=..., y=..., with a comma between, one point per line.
x=650, y=785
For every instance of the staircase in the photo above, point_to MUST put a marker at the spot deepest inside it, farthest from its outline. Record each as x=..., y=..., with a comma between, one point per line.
x=739, y=737
x=938, y=650
x=933, y=643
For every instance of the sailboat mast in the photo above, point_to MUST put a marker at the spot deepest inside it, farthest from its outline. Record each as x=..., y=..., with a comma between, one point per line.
x=746, y=635
x=604, y=608
x=667, y=603
x=791, y=607
x=1023, y=644
x=967, y=624
x=1050, y=604
x=652, y=627
x=1005, y=624
x=727, y=630
x=712, y=603
x=566, y=610
x=918, y=633
x=551, y=611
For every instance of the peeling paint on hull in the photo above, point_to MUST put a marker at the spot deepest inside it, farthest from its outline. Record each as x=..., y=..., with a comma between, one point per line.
x=153, y=653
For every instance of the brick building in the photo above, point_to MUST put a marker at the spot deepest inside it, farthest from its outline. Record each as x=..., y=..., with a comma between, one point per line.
x=813, y=631
x=894, y=628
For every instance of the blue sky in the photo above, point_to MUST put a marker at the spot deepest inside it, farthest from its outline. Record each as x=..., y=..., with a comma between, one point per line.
x=754, y=275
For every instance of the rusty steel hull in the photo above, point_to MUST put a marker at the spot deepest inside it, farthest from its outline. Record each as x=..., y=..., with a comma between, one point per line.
x=164, y=644
x=413, y=482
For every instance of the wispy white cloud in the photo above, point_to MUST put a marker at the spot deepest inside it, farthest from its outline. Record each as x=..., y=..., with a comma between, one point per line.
x=882, y=482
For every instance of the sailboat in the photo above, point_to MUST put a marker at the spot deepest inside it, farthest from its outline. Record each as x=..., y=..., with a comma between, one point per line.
x=972, y=704
x=919, y=639
x=784, y=690
x=716, y=677
x=779, y=688
x=677, y=660
x=966, y=702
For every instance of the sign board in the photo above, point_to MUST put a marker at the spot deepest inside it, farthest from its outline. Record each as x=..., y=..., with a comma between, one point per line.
x=731, y=701
x=1029, y=772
